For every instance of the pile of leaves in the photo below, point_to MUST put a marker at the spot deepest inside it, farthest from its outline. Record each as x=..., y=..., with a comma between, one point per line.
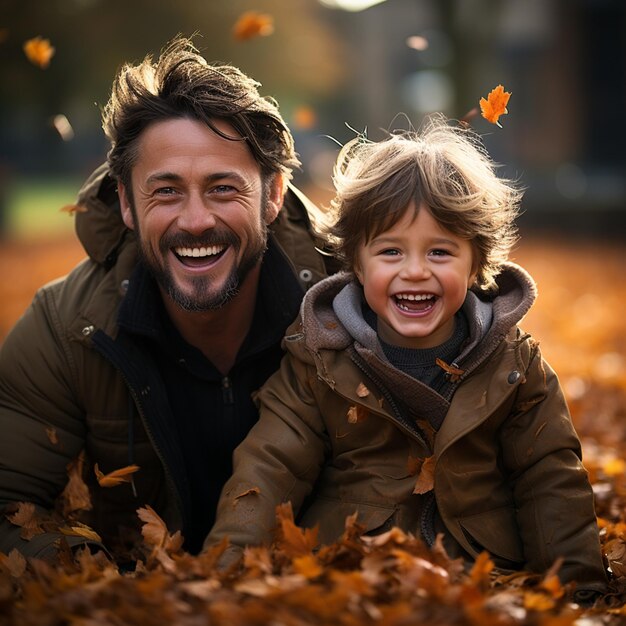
x=391, y=579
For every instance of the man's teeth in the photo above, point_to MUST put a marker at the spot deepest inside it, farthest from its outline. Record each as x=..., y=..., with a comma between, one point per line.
x=199, y=252
x=413, y=296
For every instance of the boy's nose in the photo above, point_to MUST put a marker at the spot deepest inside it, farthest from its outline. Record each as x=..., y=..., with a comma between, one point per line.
x=415, y=269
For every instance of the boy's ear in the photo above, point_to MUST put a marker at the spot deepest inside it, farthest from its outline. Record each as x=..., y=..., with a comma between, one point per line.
x=275, y=198
x=127, y=213
x=358, y=272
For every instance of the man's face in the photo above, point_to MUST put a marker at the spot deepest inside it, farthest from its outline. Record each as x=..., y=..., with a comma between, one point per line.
x=200, y=211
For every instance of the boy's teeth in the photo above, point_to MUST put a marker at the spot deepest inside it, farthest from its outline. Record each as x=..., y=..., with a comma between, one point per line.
x=199, y=252
x=412, y=296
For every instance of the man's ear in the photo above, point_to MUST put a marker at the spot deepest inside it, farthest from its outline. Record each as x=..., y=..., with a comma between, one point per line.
x=127, y=213
x=275, y=197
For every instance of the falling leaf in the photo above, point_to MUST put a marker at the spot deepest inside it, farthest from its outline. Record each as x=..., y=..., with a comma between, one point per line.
x=426, y=479
x=308, y=566
x=304, y=118
x=614, y=467
x=468, y=117
x=27, y=519
x=62, y=125
x=70, y=209
x=253, y=491
x=39, y=51
x=116, y=477
x=253, y=24
x=495, y=105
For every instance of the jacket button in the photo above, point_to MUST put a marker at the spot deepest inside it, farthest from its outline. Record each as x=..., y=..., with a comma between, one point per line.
x=513, y=376
x=87, y=331
x=124, y=286
x=306, y=276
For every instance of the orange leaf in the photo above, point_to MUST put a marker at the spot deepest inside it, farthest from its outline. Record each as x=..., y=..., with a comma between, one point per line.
x=495, y=105
x=39, y=51
x=294, y=541
x=253, y=491
x=253, y=24
x=14, y=563
x=304, y=118
x=481, y=570
x=52, y=435
x=76, y=496
x=356, y=414
x=426, y=479
x=362, y=391
x=81, y=530
x=308, y=566
x=116, y=477
x=155, y=532
x=73, y=208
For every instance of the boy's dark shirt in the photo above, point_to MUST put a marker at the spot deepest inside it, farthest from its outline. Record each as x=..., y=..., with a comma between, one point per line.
x=212, y=413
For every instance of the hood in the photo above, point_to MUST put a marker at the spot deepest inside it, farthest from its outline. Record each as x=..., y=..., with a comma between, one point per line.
x=99, y=226
x=490, y=316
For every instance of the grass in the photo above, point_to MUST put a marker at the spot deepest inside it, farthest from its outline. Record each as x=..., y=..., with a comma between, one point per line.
x=33, y=207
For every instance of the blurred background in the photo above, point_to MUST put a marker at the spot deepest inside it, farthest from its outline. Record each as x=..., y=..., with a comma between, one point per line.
x=336, y=65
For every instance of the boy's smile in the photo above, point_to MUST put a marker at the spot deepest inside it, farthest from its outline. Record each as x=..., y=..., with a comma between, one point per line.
x=415, y=277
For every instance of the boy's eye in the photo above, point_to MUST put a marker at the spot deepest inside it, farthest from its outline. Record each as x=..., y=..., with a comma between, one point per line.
x=439, y=252
x=390, y=252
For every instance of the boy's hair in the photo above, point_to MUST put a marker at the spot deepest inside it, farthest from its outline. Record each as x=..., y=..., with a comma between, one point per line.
x=181, y=84
x=443, y=167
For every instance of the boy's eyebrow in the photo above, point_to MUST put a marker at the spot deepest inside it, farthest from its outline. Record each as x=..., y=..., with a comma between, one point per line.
x=437, y=241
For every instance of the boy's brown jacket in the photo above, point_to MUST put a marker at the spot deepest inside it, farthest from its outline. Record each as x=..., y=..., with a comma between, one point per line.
x=59, y=394
x=508, y=475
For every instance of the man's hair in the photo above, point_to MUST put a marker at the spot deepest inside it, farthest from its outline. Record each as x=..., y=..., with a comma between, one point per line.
x=441, y=166
x=182, y=84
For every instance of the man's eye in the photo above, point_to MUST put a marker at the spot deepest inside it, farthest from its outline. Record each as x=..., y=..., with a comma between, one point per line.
x=165, y=191
x=222, y=189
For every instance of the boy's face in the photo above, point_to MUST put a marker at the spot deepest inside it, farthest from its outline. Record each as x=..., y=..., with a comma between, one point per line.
x=415, y=277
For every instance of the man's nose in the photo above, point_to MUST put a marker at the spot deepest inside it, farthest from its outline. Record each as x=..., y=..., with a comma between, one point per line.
x=196, y=215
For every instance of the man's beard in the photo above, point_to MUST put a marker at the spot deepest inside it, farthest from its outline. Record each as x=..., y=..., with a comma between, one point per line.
x=201, y=297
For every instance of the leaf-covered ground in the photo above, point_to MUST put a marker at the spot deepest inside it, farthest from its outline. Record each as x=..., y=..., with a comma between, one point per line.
x=390, y=580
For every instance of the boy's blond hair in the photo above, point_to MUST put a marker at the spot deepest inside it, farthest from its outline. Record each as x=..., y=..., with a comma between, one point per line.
x=442, y=166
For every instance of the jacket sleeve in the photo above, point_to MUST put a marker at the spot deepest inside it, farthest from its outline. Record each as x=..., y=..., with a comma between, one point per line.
x=279, y=460
x=41, y=424
x=553, y=496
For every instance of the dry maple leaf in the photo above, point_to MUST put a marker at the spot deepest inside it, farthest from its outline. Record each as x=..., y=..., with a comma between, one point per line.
x=14, y=563
x=253, y=491
x=27, y=519
x=426, y=478
x=495, y=105
x=480, y=573
x=70, y=209
x=454, y=372
x=294, y=541
x=81, y=530
x=116, y=477
x=76, y=496
x=253, y=24
x=362, y=391
x=39, y=51
x=155, y=532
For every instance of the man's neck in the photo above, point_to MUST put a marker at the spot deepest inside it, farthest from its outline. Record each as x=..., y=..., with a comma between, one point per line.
x=219, y=334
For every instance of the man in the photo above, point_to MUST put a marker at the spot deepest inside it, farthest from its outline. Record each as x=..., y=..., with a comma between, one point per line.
x=148, y=353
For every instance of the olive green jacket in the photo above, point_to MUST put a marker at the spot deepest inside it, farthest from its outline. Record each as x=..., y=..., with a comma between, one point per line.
x=65, y=379
x=508, y=476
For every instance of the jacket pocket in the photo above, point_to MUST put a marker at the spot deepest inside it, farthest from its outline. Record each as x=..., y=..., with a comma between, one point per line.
x=496, y=532
x=331, y=516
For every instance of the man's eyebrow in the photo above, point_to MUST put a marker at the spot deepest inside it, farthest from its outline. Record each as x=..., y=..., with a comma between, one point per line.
x=211, y=178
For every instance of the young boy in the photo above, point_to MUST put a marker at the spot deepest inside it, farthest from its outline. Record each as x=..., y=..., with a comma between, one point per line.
x=412, y=358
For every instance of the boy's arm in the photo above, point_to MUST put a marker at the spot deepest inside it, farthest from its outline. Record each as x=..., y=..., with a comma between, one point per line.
x=554, y=500
x=279, y=460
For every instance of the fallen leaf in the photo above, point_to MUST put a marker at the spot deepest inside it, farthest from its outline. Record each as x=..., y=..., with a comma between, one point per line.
x=362, y=391
x=27, y=519
x=39, y=51
x=454, y=372
x=495, y=105
x=480, y=573
x=356, y=414
x=155, y=531
x=426, y=479
x=116, y=477
x=294, y=541
x=253, y=491
x=80, y=530
x=76, y=496
x=14, y=563
x=253, y=24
